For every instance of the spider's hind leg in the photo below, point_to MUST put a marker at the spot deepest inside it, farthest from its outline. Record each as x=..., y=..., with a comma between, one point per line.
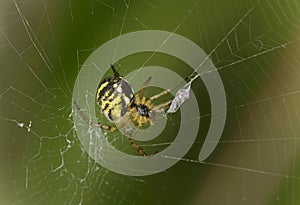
x=137, y=147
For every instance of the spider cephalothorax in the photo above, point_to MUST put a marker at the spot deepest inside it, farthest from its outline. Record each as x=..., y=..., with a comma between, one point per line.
x=141, y=110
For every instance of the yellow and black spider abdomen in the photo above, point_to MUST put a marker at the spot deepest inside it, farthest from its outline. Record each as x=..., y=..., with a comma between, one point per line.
x=114, y=95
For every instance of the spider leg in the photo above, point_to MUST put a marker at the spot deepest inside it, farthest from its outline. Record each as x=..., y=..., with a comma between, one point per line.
x=114, y=70
x=141, y=92
x=130, y=133
x=104, y=127
x=94, y=124
x=164, y=92
x=147, y=81
x=109, y=128
x=160, y=94
x=137, y=147
x=162, y=107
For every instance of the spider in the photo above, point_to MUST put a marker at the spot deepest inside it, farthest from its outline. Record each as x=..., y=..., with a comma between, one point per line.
x=116, y=100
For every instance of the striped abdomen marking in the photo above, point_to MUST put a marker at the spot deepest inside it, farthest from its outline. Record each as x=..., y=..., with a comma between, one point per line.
x=114, y=94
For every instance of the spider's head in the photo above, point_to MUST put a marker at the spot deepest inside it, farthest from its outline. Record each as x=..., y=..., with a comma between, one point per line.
x=143, y=110
x=140, y=111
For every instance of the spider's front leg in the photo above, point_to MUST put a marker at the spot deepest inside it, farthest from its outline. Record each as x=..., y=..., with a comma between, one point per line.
x=94, y=124
x=109, y=128
x=162, y=107
x=105, y=127
x=141, y=92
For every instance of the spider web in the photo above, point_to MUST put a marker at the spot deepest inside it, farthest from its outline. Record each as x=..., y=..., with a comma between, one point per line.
x=253, y=44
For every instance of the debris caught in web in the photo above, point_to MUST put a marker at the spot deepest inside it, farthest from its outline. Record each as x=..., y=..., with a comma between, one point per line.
x=181, y=96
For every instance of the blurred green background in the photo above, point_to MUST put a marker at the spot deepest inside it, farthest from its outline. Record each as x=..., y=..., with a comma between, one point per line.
x=255, y=46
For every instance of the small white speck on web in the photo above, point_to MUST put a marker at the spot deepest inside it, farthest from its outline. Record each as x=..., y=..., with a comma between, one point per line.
x=21, y=124
x=29, y=126
x=182, y=95
x=70, y=115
